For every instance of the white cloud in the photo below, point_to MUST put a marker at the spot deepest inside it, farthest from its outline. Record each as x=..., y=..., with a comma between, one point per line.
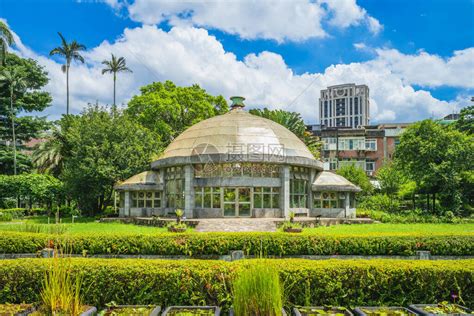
x=188, y=55
x=428, y=70
x=278, y=20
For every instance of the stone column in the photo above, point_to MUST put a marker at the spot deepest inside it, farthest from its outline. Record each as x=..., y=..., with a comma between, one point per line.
x=188, y=191
x=163, y=196
x=347, y=205
x=285, y=191
x=126, y=204
x=312, y=177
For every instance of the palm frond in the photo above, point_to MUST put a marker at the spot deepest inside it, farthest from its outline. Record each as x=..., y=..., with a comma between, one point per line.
x=6, y=34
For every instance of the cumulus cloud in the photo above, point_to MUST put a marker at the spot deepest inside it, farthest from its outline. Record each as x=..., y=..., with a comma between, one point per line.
x=278, y=20
x=188, y=55
x=429, y=70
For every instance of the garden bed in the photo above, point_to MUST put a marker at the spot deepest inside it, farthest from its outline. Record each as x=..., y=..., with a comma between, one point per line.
x=192, y=282
x=272, y=244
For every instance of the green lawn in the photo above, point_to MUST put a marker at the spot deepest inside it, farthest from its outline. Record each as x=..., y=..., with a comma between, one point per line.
x=80, y=226
x=394, y=229
x=90, y=225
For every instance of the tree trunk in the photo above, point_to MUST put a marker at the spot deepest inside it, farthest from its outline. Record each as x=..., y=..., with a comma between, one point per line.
x=414, y=201
x=13, y=131
x=428, y=202
x=434, y=202
x=115, y=79
x=67, y=89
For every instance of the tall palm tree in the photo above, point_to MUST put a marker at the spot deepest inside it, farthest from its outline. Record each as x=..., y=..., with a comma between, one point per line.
x=114, y=66
x=70, y=51
x=16, y=81
x=6, y=39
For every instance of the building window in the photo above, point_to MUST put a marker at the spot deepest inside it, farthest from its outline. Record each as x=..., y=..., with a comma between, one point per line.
x=264, y=197
x=397, y=142
x=328, y=200
x=299, y=187
x=207, y=197
x=333, y=164
x=356, y=106
x=371, y=144
x=356, y=121
x=148, y=199
x=369, y=166
x=174, y=187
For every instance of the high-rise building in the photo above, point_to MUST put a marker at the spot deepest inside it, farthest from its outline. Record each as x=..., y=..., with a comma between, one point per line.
x=345, y=105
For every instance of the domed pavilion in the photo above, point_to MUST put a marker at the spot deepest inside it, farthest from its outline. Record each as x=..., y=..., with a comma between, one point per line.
x=237, y=165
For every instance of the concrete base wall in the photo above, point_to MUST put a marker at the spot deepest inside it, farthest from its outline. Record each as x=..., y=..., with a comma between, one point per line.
x=267, y=213
x=333, y=212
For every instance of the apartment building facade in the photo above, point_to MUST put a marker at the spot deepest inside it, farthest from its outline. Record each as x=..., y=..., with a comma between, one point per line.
x=345, y=105
x=366, y=147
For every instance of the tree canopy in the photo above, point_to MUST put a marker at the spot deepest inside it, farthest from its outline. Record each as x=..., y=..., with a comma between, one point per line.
x=168, y=109
x=439, y=159
x=357, y=176
x=102, y=147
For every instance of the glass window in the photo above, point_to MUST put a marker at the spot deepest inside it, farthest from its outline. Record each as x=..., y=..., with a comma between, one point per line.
x=147, y=199
x=174, y=187
x=371, y=144
x=328, y=200
x=266, y=197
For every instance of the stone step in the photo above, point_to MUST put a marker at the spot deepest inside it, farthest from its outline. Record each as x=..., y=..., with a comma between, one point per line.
x=236, y=225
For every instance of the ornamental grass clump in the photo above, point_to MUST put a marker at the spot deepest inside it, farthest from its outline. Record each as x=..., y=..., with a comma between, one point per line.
x=61, y=291
x=257, y=291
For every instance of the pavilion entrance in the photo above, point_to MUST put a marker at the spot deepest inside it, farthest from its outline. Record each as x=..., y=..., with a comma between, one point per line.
x=237, y=202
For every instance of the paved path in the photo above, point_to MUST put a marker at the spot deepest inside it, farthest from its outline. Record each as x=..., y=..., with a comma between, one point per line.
x=236, y=225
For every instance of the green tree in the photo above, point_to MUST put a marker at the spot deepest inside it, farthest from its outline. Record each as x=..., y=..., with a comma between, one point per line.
x=436, y=157
x=113, y=66
x=16, y=81
x=6, y=40
x=168, y=109
x=70, y=52
x=357, y=176
x=390, y=179
x=48, y=156
x=293, y=122
x=466, y=120
x=27, y=99
x=31, y=188
x=103, y=147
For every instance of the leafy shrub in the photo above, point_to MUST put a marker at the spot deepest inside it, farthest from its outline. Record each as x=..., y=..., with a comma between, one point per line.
x=15, y=213
x=270, y=244
x=5, y=217
x=380, y=202
x=198, y=282
x=257, y=291
x=407, y=217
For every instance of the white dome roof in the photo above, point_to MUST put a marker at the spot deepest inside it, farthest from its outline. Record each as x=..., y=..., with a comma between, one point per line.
x=234, y=131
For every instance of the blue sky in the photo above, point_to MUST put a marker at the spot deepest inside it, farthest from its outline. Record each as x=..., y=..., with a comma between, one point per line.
x=416, y=56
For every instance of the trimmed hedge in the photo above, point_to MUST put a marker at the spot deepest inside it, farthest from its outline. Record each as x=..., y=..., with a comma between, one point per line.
x=198, y=282
x=262, y=244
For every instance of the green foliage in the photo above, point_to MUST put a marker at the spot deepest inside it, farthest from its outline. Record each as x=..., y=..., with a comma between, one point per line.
x=198, y=282
x=271, y=244
x=99, y=150
x=294, y=122
x=22, y=81
x=466, y=120
x=406, y=217
x=5, y=216
x=34, y=188
x=379, y=202
x=440, y=160
x=168, y=109
x=358, y=177
x=6, y=39
x=257, y=291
